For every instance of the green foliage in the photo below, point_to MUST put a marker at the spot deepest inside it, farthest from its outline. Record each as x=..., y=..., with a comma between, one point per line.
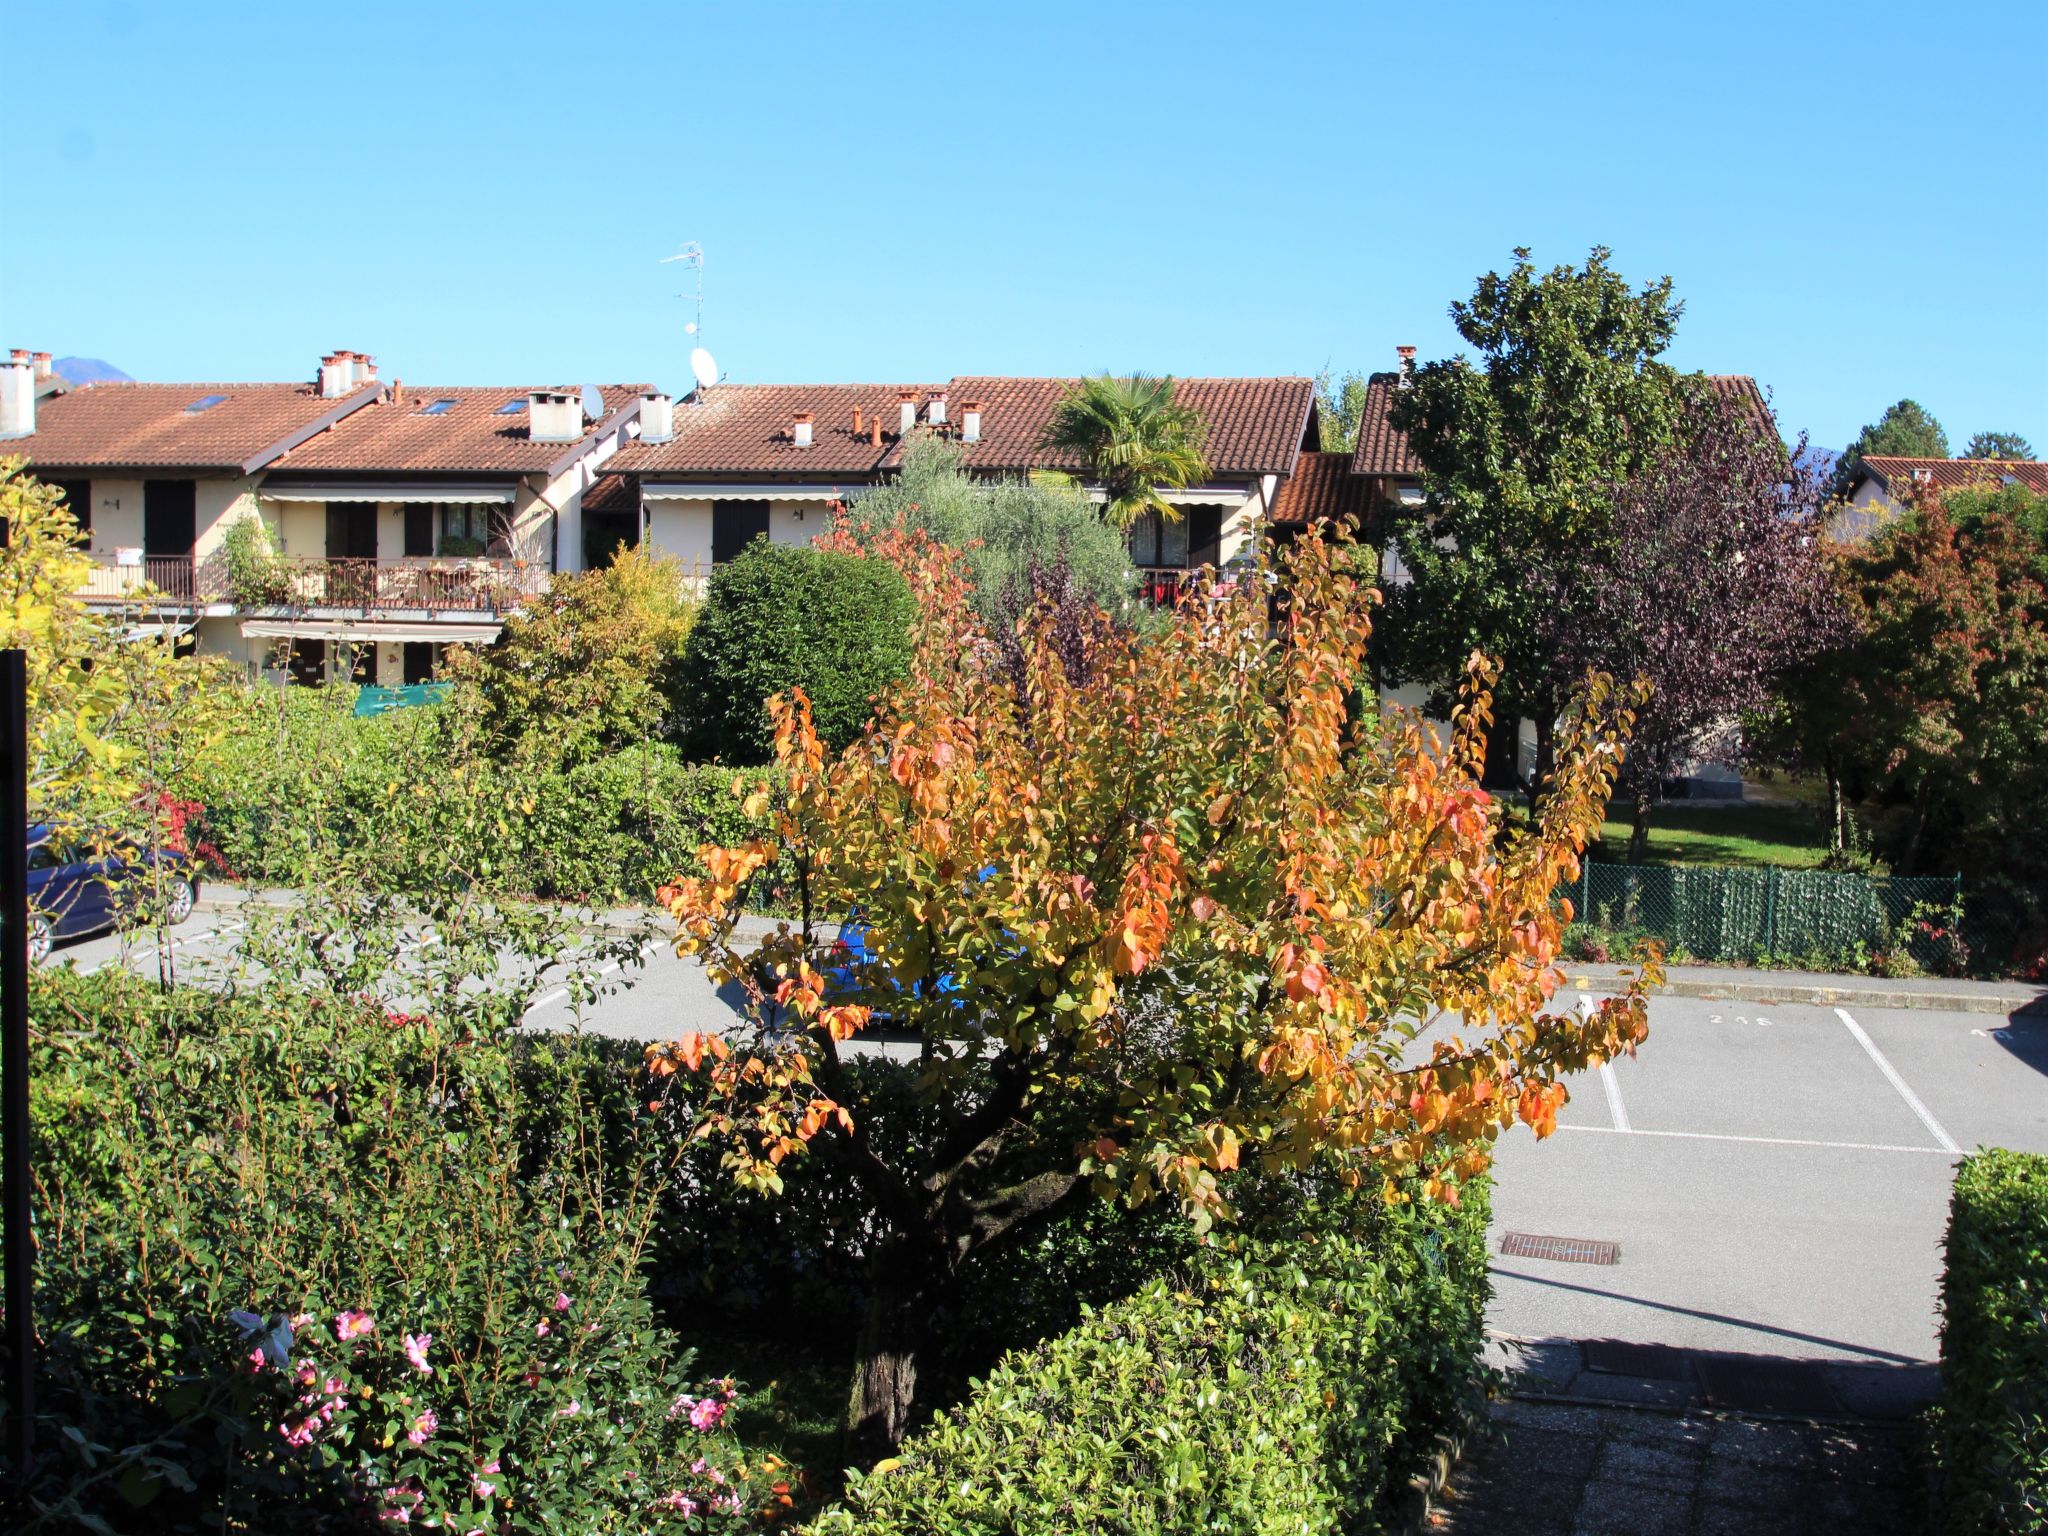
x=257, y=578
x=1288, y=1381
x=1905, y=431
x=312, y=1159
x=1999, y=445
x=1994, y=1347
x=1132, y=436
x=780, y=617
x=1340, y=402
x=1973, y=507
x=299, y=788
x=1569, y=398
x=594, y=664
x=1003, y=528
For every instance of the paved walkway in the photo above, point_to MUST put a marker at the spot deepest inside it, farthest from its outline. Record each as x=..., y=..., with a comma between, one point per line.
x=1633, y=1440
x=1566, y=1469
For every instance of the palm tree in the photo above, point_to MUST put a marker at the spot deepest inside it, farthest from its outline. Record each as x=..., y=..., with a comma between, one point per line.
x=1133, y=437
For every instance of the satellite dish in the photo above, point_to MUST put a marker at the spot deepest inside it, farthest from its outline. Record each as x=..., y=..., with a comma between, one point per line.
x=703, y=368
x=593, y=403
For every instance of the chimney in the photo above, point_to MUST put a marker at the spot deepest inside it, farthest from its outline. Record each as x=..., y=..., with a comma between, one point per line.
x=398, y=391
x=17, y=395
x=800, y=432
x=935, y=408
x=43, y=368
x=554, y=416
x=333, y=377
x=365, y=369
x=970, y=421
x=657, y=417
x=1407, y=356
x=858, y=428
x=347, y=360
x=906, y=411
x=875, y=430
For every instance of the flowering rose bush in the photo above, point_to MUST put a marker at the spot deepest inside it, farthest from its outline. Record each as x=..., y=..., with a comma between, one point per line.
x=308, y=1262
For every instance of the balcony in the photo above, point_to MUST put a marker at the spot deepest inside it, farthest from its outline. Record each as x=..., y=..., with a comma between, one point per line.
x=287, y=585
x=1162, y=585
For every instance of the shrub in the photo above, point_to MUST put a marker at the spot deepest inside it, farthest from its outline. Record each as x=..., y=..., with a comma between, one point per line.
x=591, y=666
x=1994, y=1347
x=305, y=1260
x=1003, y=529
x=781, y=617
x=257, y=578
x=1288, y=1382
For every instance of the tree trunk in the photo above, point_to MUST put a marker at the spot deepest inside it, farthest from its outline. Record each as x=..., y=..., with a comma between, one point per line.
x=1639, y=834
x=1546, y=750
x=1838, y=812
x=901, y=1282
x=1503, y=748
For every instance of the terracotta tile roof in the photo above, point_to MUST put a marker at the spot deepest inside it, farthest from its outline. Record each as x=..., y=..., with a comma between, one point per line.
x=748, y=429
x=612, y=493
x=1953, y=474
x=1255, y=425
x=1381, y=450
x=148, y=426
x=1322, y=488
x=470, y=436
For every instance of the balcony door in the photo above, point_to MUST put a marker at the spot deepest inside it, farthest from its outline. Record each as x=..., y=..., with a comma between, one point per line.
x=168, y=528
x=735, y=525
x=351, y=530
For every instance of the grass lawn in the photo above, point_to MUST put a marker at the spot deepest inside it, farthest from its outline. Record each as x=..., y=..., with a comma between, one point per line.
x=1788, y=834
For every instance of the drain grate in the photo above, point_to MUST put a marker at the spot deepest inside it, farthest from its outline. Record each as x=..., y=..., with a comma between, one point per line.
x=1559, y=1250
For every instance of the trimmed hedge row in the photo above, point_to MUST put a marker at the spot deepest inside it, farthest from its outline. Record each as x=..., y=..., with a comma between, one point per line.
x=1994, y=1347
x=1293, y=1385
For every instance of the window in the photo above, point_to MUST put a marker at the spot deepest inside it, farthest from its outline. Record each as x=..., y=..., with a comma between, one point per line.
x=511, y=408
x=438, y=408
x=465, y=529
x=1193, y=539
x=78, y=502
x=419, y=662
x=735, y=525
x=307, y=663
x=419, y=529
x=204, y=403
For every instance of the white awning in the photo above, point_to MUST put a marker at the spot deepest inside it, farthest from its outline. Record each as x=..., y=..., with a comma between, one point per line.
x=1231, y=496
x=367, y=630
x=743, y=492
x=388, y=491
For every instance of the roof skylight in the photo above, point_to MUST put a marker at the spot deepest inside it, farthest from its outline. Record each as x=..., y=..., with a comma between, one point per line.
x=438, y=408
x=205, y=403
x=511, y=408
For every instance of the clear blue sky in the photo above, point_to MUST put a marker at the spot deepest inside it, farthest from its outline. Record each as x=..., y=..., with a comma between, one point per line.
x=1849, y=197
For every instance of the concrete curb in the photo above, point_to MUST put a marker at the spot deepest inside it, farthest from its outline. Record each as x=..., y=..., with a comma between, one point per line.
x=1853, y=993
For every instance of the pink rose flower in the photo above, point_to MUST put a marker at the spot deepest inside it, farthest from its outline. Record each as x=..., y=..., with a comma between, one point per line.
x=707, y=1413
x=352, y=1325
x=562, y=1302
x=423, y=1427
x=540, y=1330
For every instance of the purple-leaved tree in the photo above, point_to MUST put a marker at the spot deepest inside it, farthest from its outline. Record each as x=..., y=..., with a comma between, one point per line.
x=1712, y=586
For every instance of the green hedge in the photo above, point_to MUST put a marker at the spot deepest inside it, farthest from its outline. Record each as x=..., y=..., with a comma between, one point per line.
x=1994, y=1347
x=1293, y=1383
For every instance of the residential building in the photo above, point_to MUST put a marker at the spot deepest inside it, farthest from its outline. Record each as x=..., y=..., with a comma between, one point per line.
x=734, y=462
x=1883, y=486
x=390, y=520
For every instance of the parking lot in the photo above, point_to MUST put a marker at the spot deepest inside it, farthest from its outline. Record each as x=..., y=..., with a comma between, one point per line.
x=1774, y=1177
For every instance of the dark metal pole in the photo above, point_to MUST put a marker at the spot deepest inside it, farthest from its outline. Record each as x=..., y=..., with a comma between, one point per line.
x=14, y=1186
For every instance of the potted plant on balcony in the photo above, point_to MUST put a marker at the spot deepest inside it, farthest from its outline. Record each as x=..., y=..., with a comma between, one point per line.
x=257, y=578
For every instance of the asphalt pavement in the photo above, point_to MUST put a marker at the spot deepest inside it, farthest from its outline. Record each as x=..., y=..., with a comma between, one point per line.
x=1764, y=1178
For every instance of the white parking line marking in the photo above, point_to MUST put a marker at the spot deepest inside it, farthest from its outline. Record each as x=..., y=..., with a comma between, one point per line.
x=1616, y=1110
x=1763, y=1141
x=1912, y=1099
x=190, y=938
x=560, y=993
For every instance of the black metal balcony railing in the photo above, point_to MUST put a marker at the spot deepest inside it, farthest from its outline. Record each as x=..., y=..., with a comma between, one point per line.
x=295, y=583
x=1162, y=586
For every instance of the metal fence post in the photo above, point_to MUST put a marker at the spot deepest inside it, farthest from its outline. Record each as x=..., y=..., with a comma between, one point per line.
x=1586, y=890
x=1771, y=912
x=14, y=1110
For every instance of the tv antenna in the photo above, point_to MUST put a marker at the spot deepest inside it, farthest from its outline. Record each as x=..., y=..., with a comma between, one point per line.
x=702, y=367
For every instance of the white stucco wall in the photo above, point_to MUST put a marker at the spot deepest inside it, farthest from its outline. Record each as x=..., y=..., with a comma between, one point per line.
x=116, y=517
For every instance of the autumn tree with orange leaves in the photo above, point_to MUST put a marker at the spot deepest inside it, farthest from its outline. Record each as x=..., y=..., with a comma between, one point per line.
x=1188, y=915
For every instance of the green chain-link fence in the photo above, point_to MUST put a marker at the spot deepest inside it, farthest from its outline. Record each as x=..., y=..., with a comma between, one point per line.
x=1831, y=921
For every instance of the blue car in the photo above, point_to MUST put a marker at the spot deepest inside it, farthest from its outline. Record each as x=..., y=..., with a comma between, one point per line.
x=83, y=884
